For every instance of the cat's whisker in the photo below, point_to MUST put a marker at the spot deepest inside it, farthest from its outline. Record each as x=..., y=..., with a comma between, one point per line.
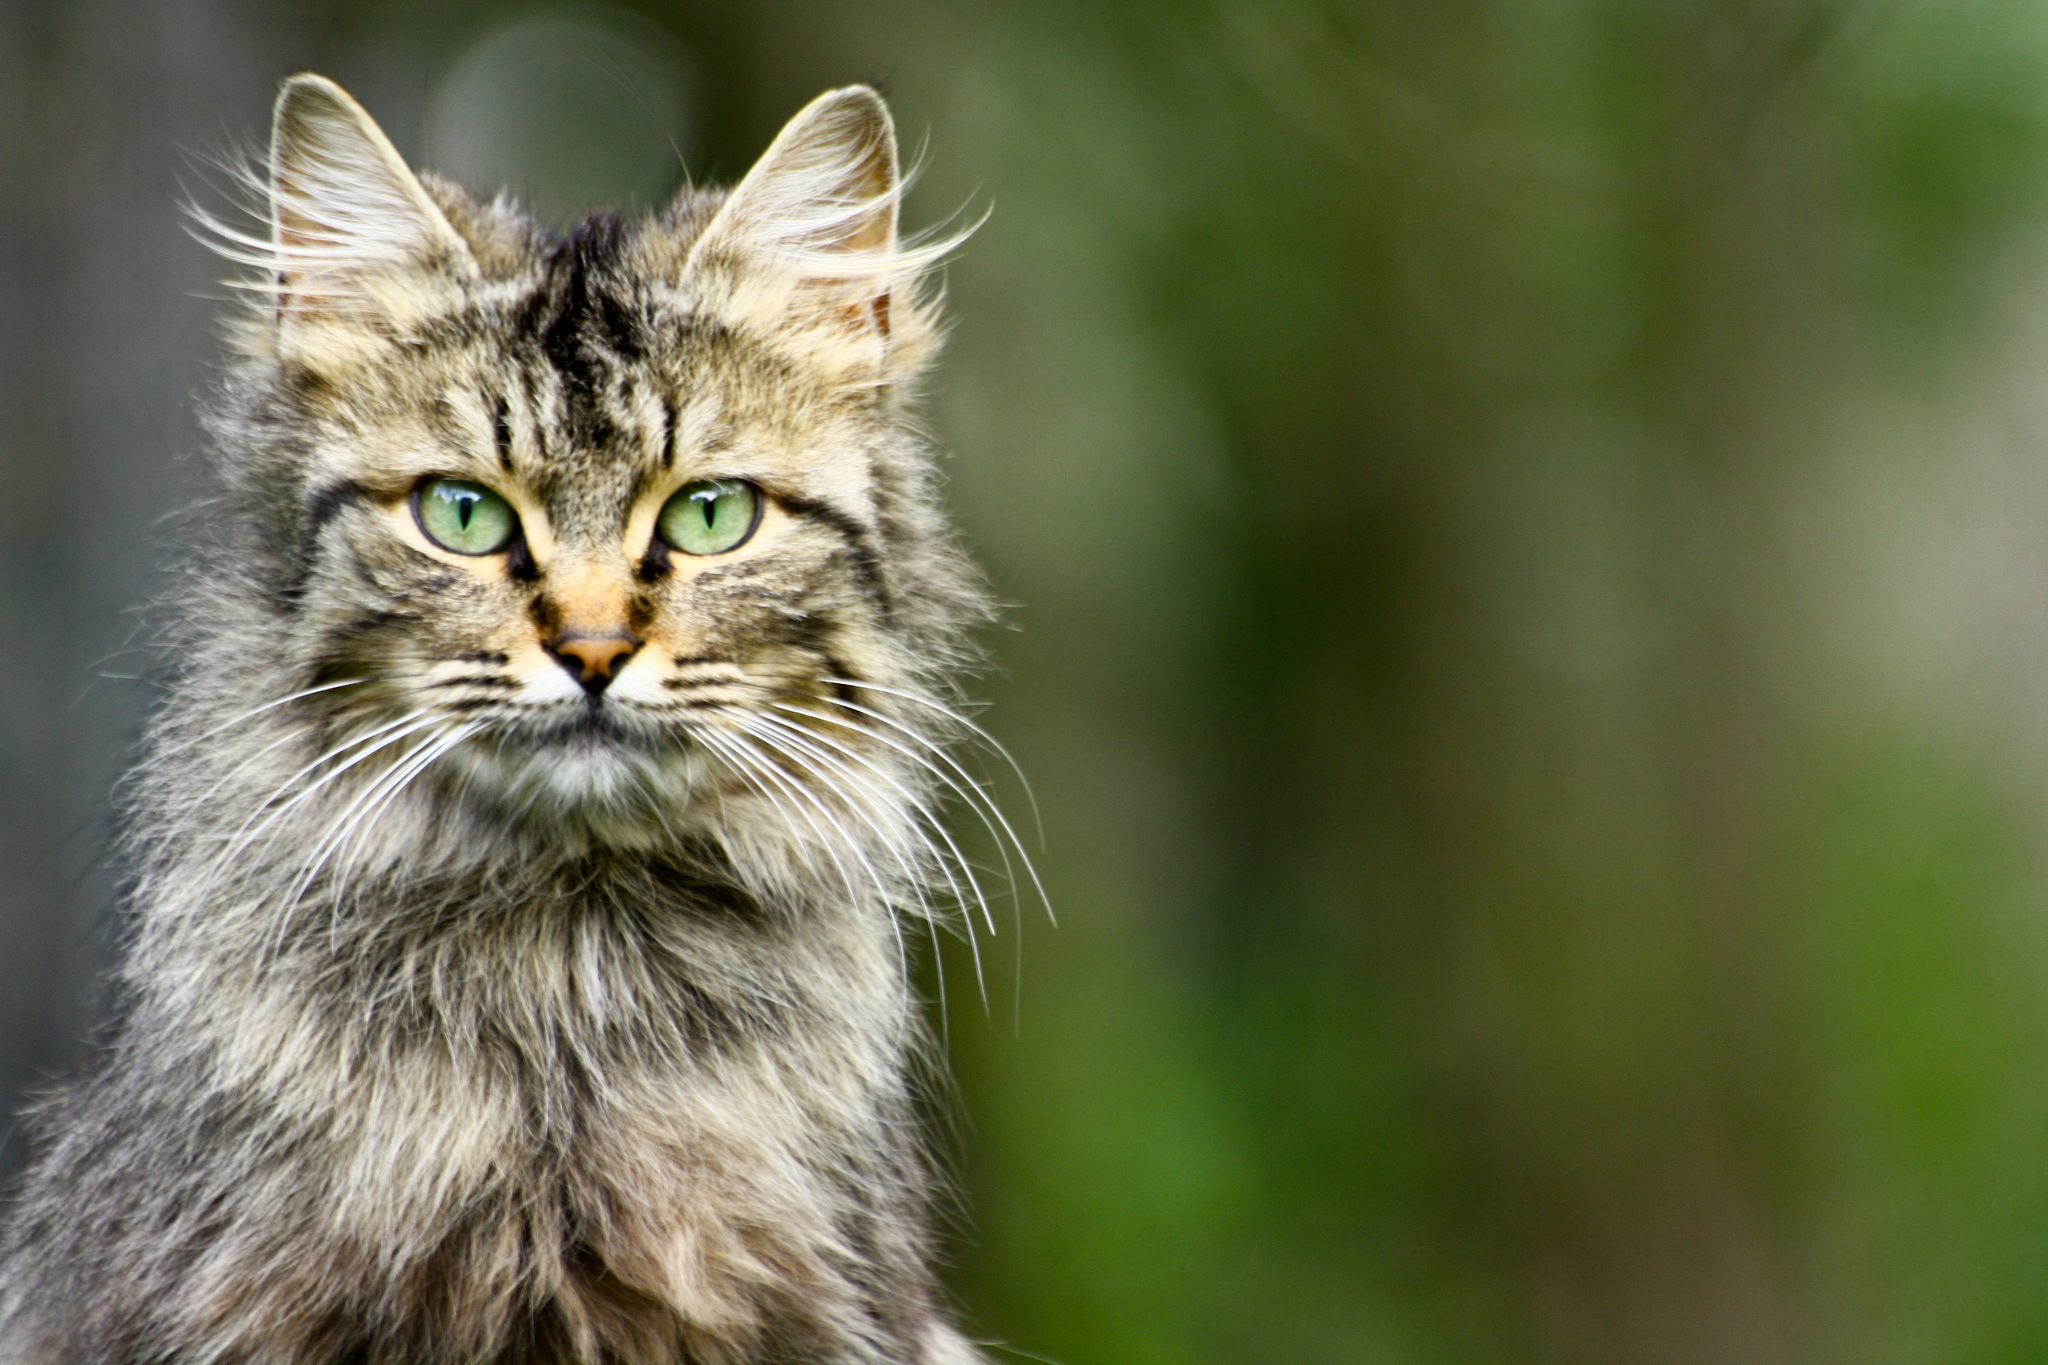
x=922, y=814
x=355, y=826
x=887, y=897
x=345, y=822
x=966, y=788
x=967, y=918
x=954, y=717
x=806, y=797
x=199, y=802
x=367, y=745
x=251, y=714
x=912, y=879
x=758, y=776
x=270, y=814
x=945, y=865
x=245, y=837
x=339, y=830
x=910, y=801
x=907, y=869
x=1009, y=872
x=899, y=847
x=972, y=792
x=749, y=760
x=980, y=898
x=334, y=751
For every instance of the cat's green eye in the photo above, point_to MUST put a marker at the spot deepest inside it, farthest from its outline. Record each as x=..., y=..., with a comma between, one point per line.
x=711, y=516
x=464, y=517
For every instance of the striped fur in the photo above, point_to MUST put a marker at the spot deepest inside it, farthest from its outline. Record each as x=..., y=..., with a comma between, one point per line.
x=468, y=1017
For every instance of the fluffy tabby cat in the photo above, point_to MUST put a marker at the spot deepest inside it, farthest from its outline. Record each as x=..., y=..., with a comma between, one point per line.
x=517, y=969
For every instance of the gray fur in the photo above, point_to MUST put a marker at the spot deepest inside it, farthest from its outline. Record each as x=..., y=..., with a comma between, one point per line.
x=468, y=1018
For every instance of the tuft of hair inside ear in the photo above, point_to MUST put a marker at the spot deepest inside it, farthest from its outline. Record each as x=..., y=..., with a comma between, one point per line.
x=341, y=206
x=820, y=208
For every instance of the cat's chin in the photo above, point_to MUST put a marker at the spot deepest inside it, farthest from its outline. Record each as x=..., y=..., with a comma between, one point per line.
x=590, y=780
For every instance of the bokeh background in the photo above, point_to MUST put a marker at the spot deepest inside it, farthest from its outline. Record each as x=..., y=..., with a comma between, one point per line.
x=1527, y=528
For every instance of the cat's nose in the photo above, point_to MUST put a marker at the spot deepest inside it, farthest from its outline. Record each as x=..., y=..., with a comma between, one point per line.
x=592, y=660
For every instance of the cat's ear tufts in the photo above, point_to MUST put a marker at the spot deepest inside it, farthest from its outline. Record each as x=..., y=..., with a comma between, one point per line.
x=806, y=245
x=822, y=198
x=346, y=214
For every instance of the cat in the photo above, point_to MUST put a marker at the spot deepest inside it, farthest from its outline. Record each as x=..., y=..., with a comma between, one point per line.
x=523, y=852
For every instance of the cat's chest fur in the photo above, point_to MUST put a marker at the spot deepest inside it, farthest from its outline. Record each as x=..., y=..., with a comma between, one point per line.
x=573, y=1126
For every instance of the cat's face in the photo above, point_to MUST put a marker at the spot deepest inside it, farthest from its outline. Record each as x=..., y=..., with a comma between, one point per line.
x=593, y=571
x=605, y=523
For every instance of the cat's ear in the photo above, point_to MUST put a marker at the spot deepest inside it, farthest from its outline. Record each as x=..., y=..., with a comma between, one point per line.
x=822, y=198
x=806, y=245
x=345, y=211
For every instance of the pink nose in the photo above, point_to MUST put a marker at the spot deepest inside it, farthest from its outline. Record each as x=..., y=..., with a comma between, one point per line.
x=592, y=659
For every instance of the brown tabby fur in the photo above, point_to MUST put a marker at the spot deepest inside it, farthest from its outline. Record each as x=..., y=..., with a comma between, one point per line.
x=471, y=1017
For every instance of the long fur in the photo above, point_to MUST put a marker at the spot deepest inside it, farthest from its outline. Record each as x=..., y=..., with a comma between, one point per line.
x=470, y=1017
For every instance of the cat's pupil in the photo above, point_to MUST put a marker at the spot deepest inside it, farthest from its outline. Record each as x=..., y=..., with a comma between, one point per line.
x=464, y=509
x=710, y=506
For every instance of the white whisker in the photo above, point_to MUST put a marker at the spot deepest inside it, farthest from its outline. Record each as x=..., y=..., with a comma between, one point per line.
x=1030, y=797
x=945, y=864
x=355, y=823
x=888, y=898
x=894, y=843
x=251, y=714
x=911, y=869
x=910, y=801
x=339, y=828
x=969, y=791
x=382, y=737
x=199, y=802
x=980, y=898
x=245, y=837
x=736, y=746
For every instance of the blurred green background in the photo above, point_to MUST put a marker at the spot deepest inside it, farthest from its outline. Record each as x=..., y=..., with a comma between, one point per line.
x=1527, y=528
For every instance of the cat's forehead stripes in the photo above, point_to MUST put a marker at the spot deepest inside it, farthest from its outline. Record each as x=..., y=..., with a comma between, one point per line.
x=587, y=325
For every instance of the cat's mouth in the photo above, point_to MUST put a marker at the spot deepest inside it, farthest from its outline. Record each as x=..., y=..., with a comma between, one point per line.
x=581, y=761
x=585, y=728
x=578, y=729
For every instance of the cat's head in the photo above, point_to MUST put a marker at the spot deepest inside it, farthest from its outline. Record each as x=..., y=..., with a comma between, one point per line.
x=604, y=524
